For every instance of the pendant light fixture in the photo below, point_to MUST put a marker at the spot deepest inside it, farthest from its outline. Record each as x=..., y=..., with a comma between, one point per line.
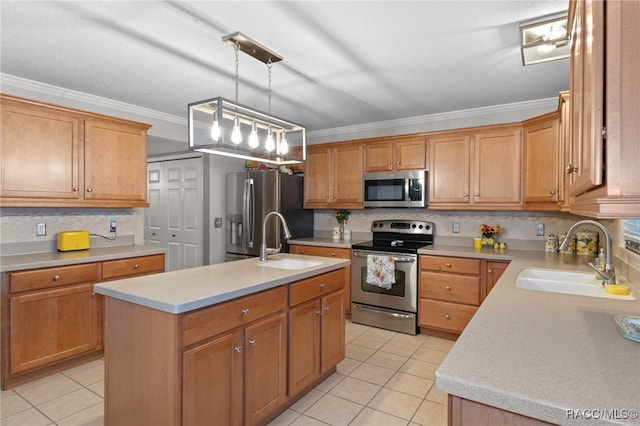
x=216, y=125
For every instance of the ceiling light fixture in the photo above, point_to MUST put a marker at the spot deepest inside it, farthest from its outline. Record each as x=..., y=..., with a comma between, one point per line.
x=544, y=39
x=216, y=125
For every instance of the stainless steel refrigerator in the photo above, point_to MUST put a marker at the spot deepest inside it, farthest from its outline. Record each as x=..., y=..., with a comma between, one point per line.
x=250, y=196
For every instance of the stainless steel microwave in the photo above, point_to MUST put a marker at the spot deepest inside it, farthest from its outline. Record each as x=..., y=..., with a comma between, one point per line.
x=395, y=189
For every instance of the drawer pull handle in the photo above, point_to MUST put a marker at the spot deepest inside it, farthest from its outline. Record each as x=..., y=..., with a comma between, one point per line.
x=447, y=316
x=448, y=288
x=238, y=349
x=252, y=342
x=136, y=266
x=245, y=311
x=56, y=278
x=327, y=308
x=448, y=265
x=323, y=285
x=318, y=312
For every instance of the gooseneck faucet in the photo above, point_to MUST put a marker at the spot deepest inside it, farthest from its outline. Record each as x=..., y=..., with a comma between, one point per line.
x=264, y=251
x=608, y=275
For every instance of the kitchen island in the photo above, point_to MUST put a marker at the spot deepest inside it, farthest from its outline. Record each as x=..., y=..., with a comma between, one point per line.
x=236, y=342
x=532, y=355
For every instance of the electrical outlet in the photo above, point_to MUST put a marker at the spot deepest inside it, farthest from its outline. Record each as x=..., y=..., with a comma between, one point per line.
x=539, y=229
x=41, y=229
x=217, y=222
x=112, y=225
x=455, y=227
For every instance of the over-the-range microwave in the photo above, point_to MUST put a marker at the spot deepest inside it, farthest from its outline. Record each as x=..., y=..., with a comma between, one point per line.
x=395, y=189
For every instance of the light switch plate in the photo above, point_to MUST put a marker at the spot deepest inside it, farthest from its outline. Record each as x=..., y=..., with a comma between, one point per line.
x=455, y=227
x=539, y=229
x=41, y=229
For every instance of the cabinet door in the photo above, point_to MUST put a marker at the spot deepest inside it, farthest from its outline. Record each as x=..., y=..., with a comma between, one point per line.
x=317, y=174
x=493, y=273
x=497, y=165
x=212, y=382
x=541, y=181
x=332, y=329
x=410, y=154
x=265, y=381
x=40, y=153
x=304, y=345
x=347, y=175
x=378, y=156
x=115, y=161
x=52, y=325
x=449, y=163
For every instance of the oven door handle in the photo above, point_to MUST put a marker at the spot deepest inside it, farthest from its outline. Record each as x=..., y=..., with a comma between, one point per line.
x=405, y=259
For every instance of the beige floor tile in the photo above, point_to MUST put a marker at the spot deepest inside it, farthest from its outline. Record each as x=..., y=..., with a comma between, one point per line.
x=396, y=403
x=46, y=389
x=355, y=390
x=412, y=385
x=306, y=421
x=437, y=396
x=91, y=416
x=359, y=353
x=381, y=333
x=388, y=360
x=347, y=365
x=284, y=419
x=439, y=344
x=372, y=342
x=353, y=331
x=431, y=414
x=333, y=410
x=330, y=382
x=429, y=355
x=98, y=388
x=426, y=370
x=399, y=348
x=307, y=401
x=410, y=339
x=31, y=417
x=371, y=417
x=12, y=403
x=90, y=374
x=63, y=406
x=372, y=374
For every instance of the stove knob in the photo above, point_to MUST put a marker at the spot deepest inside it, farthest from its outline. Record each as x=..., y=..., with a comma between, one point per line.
x=381, y=225
x=420, y=226
x=414, y=226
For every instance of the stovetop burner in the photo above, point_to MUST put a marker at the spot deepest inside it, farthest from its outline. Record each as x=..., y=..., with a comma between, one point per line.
x=398, y=236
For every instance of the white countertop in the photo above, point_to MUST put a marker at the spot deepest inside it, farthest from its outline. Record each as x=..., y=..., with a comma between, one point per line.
x=544, y=355
x=181, y=291
x=325, y=242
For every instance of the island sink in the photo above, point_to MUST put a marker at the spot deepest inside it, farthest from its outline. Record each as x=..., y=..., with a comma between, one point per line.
x=566, y=282
x=291, y=264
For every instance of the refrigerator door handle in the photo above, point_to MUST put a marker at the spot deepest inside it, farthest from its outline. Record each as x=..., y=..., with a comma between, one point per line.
x=249, y=204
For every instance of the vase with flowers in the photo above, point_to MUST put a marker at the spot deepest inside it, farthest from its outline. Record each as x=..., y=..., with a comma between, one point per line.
x=490, y=234
x=342, y=216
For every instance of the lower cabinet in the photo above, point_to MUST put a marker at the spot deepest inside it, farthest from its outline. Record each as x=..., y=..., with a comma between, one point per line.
x=465, y=412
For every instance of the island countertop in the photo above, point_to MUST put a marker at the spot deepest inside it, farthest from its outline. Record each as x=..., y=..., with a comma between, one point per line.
x=181, y=291
x=550, y=356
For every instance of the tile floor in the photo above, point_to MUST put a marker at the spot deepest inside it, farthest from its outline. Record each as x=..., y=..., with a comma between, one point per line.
x=385, y=379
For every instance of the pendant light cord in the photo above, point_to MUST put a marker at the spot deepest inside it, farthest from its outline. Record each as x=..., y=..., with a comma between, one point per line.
x=237, y=66
x=269, y=64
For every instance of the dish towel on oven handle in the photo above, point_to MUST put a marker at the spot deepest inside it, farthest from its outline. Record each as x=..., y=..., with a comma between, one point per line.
x=381, y=271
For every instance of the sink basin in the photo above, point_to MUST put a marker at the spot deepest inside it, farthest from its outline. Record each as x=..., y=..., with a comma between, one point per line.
x=289, y=263
x=567, y=282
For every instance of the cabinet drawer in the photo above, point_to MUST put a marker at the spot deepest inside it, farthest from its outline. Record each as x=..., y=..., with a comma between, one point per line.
x=121, y=268
x=53, y=277
x=211, y=321
x=445, y=315
x=340, y=253
x=450, y=287
x=315, y=286
x=450, y=264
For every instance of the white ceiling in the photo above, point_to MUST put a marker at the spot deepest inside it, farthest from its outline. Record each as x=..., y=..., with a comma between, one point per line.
x=345, y=63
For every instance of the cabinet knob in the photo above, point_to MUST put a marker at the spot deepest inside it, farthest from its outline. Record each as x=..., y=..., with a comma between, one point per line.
x=245, y=311
x=327, y=308
x=89, y=189
x=318, y=312
x=136, y=266
x=93, y=293
x=238, y=349
x=252, y=342
x=447, y=316
x=76, y=189
x=571, y=168
x=398, y=163
x=326, y=197
x=477, y=194
x=490, y=271
x=552, y=193
x=448, y=265
x=448, y=288
x=56, y=278
x=333, y=255
x=323, y=285
x=388, y=163
x=334, y=196
x=465, y=195
x=301, y=251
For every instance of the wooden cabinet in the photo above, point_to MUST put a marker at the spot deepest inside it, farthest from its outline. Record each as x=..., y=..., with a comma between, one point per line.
x=476, y=169
x=333, y=176
x=564, y=140
x=543, y=173
x=340, y=253
x=60, y=157
x=316, y=327
x=53, y=320
x=604, y=108
x=465, y=412
x=400, y=153
x=452, y=288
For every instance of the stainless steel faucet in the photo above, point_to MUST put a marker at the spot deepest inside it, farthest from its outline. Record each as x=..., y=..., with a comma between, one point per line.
x=264, y=251
x=608, y=275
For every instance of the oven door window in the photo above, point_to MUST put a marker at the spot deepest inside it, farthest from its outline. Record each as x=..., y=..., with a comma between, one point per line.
x=397, y=289
x=384, y=190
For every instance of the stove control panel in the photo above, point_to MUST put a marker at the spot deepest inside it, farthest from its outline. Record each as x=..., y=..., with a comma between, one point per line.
x=403, y=226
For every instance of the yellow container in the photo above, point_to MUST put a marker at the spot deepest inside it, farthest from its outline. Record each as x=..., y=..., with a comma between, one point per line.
x=73, y=240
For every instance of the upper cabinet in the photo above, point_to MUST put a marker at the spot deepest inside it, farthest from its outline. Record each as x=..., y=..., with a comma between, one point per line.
x=604, y=109
x=476, y=169
x=333, y=176
x=59, y=157
x=401, y=153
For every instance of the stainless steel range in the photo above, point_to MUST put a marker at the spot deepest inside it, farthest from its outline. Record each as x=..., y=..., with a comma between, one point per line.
x=390, y=302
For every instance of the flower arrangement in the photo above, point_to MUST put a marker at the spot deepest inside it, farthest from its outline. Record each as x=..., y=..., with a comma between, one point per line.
x=489, y=234
x=342, y=216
